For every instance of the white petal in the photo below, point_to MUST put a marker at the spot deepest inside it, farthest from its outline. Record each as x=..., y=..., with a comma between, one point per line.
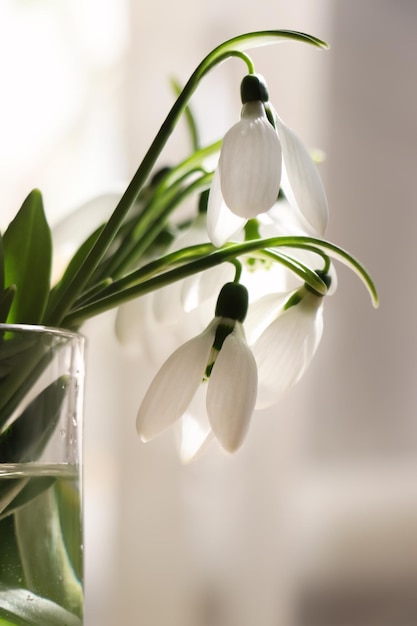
x=250, y=163
x=175, y=384
x=301, y=181
x=231, y=393
x=222, y=224
x=284, y=220
x=262, y=312
x=195, y=428
x=285, y=349
x=168, y=304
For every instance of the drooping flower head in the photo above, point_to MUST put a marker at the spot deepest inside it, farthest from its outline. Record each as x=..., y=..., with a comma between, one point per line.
x=286, y=346
x=259, y=155
x=218, y=358
x=250, y=159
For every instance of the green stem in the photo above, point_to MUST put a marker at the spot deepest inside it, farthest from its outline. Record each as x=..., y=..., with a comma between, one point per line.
x=238, y=269
x=272, y=254
x=199, y=258
x=300, y=269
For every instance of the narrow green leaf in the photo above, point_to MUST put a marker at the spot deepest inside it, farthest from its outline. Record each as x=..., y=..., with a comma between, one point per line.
x=249, y=41
x=6, y=301
x=68, y=499
x=11, y=572
x=20, y=607
x=25, y=490
x=27, y=249
x=21, y=361
x=1, y=265
x=25, y=439
x=46, y=563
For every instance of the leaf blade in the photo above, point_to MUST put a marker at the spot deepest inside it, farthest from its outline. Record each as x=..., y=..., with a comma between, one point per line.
x=27, y=249
x=28, y=609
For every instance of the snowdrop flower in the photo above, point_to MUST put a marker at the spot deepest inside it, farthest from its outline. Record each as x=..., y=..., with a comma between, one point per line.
x=220, y=359
x=285, y=348
x=256, y=153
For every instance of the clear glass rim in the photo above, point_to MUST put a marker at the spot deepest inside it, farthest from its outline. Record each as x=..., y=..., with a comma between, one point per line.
x=38, y=328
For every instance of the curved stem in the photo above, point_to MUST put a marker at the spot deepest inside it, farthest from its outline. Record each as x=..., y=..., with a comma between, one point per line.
x=272, y=254
x=246, y=59
x=198, y=258
x=301, y=270
x=238, y=269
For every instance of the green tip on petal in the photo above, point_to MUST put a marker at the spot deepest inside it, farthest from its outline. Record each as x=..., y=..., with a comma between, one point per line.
x=233, y=302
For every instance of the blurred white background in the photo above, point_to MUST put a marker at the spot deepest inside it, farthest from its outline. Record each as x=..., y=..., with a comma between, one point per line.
x=319, y=508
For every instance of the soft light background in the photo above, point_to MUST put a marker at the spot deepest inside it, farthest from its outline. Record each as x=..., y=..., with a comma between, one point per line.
x=321, y=502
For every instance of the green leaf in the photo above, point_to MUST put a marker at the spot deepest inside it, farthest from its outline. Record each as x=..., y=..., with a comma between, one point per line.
x=21, y=362
x=11, y=572
x=27, y=249
x=68, y=500
x=6, y=301
x=25, y=439
x=20, y=607
x=46, y=563
x=1, y=265
x=20, y=492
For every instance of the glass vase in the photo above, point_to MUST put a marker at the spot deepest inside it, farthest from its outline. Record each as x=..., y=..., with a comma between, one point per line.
x=41, y=535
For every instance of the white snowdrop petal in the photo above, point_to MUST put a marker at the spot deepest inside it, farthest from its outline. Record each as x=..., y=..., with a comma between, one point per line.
x=231, y=393
x=168, y=301
x=222, y=224
x=301, y=181
x=195, y=432
x=285, y=349
x=262, y=312
x=250, y=163
x=174, y=386
x=284, y=220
